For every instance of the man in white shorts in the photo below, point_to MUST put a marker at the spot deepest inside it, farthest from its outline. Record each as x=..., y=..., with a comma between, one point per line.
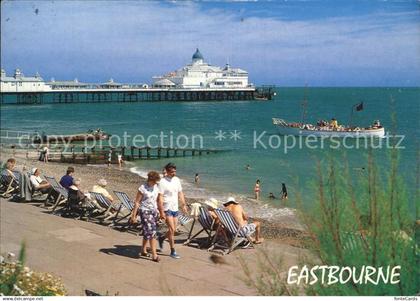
x=170, y=192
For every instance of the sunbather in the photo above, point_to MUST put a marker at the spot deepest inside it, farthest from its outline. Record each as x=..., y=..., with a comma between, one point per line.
x=76, y=196
x=10, y=178
x=67, y=180
x=38, y=183
x=146, y=200
x=212, y=204
x=10, y=170
x=241, y=218
x=100, y=188
x=78, y=201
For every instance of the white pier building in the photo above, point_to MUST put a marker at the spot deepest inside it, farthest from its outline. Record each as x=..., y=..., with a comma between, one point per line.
x=20, y=83
x=199, y=74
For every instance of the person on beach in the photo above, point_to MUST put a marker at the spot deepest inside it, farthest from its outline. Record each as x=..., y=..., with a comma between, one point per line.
x=76, y=197
x=46, y=151
x=283, y=191
x=17, y=182
x=197, y=179
x=120, y=160
x=10, y=174
x=67, y=180
x=10, y=169
x=146, y=200
x=170, y=195
x=257, y=190
x=212, y=204
x=75, y=192
x=100, y=188
x=38, y=183
x=241, y=218
x=109, y=158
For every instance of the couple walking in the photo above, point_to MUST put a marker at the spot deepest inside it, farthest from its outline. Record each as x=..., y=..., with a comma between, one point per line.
x=159, y=197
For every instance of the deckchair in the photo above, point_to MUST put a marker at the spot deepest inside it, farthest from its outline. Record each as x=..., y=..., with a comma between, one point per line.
x=75, y=206
x=36, y=195
x=107, y=206
x=353, y=242
x=126, y=203
x=207, y=225
x=233, y=232
x=61, y=194
x=9, y=185
x=184, y=220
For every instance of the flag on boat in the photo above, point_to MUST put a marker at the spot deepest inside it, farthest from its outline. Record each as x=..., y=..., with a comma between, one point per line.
x=359, y=107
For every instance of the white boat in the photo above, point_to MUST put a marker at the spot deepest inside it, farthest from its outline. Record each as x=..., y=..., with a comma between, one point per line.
x=300, y=129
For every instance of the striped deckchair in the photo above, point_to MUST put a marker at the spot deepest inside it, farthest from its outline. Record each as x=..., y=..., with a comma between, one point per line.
x=79, y=209
x=207, y=224
x=8, y=185
x=126, y=204
x=184, y=220
x=354, y=242
x=234, y=234
x=108, y=206
x=61, y=194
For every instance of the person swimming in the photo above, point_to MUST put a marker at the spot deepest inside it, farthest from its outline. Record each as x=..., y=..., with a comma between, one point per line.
x=271, y=196
x=283, y=191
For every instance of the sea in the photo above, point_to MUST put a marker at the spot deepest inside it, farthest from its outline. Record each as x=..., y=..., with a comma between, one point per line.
x=251, y=147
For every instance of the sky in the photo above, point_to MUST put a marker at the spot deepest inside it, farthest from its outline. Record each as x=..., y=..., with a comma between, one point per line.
x=287, y=43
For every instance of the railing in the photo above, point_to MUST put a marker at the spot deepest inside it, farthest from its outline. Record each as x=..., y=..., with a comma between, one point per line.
x=278, y=121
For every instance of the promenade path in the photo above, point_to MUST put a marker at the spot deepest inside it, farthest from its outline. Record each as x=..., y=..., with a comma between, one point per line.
x=95, y=257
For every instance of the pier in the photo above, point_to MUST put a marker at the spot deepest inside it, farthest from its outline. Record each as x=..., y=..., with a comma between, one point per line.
x=135, y=95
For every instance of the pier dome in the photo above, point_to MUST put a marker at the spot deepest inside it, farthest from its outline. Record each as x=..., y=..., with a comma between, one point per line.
x=197, y=57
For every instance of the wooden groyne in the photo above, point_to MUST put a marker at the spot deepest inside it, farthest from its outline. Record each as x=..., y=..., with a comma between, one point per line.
x=99, y=155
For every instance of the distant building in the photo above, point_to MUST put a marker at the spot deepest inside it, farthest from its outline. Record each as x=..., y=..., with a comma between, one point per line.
x=111, y=85
x=67, y=84
x=20, y=83
x=199, y=74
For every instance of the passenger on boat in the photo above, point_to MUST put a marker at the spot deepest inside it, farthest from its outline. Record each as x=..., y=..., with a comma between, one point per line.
x=334, y=123
x=376, y=125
